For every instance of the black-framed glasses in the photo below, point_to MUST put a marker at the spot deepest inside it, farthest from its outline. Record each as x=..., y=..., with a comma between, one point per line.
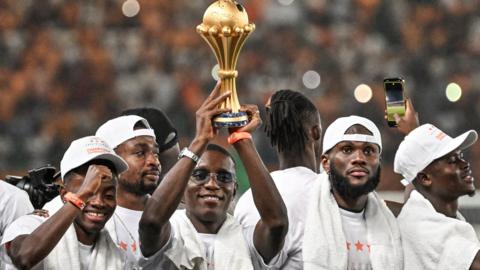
x=203, y=176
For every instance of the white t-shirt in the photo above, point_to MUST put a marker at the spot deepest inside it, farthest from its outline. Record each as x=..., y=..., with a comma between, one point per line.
x=209, y=244
x=184, y=246
x=86, y=253
x=355, y=230
x=13, y=204
x=123, y=228
x=26, y=225
x=294, y=184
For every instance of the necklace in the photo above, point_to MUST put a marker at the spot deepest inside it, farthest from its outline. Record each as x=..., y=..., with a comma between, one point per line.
x=121, y=244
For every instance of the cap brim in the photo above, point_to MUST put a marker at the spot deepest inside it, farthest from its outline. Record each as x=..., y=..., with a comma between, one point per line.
x=118, y=162
x=459, y=143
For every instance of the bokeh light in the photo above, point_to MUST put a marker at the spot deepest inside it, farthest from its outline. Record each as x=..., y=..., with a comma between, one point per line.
x=311, y=79
x=215, y=70
x=130, y=8
x=363, y=93
x=453, y=92
x=285, y=2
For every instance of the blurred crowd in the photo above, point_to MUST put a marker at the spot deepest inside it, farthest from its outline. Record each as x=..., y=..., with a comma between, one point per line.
x=66, y=66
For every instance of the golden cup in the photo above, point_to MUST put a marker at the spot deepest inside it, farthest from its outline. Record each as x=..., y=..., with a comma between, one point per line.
x=225, y=28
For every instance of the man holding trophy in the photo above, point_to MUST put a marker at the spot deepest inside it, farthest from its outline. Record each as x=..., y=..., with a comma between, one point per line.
x=204, y=236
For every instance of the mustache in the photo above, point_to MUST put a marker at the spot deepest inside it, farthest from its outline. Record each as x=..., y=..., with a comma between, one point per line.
x=346, y=190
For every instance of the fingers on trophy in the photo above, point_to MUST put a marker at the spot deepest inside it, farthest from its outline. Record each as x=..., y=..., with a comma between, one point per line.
x=225, y=28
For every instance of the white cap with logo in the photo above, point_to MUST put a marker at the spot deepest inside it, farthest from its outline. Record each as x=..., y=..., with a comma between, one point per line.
x=85, y=149
x=425, y=144
x=121, y=129
x=335, y=133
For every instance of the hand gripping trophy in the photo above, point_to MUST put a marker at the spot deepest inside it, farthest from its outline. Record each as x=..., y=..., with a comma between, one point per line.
x=225, y=28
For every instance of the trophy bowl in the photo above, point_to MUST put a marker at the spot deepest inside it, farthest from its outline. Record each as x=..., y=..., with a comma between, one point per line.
x=225, y=27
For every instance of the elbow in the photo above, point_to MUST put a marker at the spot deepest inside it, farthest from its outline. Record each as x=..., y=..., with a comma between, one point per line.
x=149, y=223
x=23, y=261
x=278, y=226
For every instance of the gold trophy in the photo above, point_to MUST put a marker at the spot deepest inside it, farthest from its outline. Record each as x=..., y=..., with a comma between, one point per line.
x=225, y=28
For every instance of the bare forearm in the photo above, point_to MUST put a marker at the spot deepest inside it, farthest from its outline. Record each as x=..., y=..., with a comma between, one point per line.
x=266, y=197
x=165, y=200
x=29, y=250
x=270, y=231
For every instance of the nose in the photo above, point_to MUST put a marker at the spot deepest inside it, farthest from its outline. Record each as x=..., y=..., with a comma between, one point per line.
x=464, y=164
x=358, y=157
x=97, y=201
x=212, y=181
x=153, y=160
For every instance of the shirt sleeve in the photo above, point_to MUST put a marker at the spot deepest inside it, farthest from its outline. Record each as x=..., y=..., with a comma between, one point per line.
x=257, y=260
x=15, y=203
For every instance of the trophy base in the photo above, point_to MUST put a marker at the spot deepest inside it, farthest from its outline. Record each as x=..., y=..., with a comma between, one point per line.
x=228, y=120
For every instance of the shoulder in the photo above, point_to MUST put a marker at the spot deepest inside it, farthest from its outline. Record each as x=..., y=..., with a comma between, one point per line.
x=21, y=226
x=395, y=207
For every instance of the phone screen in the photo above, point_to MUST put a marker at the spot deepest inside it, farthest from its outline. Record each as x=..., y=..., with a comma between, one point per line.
x=394, y=99
x=394, y=93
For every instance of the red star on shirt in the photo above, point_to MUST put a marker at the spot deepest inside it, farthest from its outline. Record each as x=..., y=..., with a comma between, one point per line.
x=134, y=246
x=348, y=245
x=123, y=245
x=359, y=246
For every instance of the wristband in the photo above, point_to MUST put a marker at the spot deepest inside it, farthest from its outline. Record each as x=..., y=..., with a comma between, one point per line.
x=74, y=199
x=187, y=153
x=236, y=136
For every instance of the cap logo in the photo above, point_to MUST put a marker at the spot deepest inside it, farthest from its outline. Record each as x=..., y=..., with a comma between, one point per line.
x=96, y=145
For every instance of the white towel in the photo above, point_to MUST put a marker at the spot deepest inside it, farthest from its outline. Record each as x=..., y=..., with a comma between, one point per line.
x=324, y=241
x=231, y=250
x=432, y=240
x=65, y=255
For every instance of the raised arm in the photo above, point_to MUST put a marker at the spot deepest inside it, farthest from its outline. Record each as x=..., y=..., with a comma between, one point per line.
x=271, y=229
x=28, y=250
x=154, y=227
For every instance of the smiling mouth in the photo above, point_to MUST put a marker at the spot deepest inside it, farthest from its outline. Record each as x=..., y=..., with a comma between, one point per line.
x=95, y=216
x=210, y=198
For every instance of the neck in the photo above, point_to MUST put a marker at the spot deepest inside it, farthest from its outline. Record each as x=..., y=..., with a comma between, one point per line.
x=206, y=227
x=447, y=207
x=85, y=237
x=130, y=200
x=351, y=204
x=295, y=159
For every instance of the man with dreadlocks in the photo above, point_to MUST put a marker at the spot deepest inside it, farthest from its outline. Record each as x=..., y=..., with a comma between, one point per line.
x=293, y=126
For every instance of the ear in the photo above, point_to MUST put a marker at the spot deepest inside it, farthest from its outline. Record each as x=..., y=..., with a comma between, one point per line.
x=235, y=190
x=316, y=132
x=424, y=179
x=325, y=162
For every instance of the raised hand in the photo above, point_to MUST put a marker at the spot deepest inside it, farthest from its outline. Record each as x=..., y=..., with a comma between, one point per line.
x=93, y=180
x=409, y=121
x=254, y=120
x=206, y=112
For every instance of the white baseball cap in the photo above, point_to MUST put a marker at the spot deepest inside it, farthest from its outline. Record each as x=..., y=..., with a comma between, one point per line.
x=121, y=129
x=425, y=144
x=89, y=148
x=335, y=133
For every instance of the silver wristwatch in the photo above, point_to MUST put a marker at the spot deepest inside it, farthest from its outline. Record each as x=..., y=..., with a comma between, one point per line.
x=187, y=153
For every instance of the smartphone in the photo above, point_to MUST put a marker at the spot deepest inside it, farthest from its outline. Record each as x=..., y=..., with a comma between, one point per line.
x=394, y=99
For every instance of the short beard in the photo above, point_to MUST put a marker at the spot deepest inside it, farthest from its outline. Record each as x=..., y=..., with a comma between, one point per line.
x=138, y=189
x=346, y=190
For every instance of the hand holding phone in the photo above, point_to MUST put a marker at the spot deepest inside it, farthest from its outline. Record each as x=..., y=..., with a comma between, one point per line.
x=394, y=99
